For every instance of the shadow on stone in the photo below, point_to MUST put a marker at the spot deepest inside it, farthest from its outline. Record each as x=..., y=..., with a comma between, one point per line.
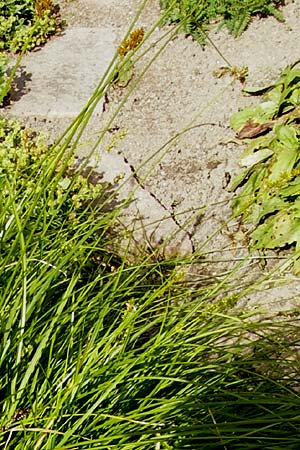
x=18, y=86
x=108, y=200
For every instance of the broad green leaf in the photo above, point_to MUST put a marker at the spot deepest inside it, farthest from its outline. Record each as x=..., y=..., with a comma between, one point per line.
x=292, y=189
x=258, y=143
x=257, y=90
x=294, y=209
x=258, y=114
x=267, y=109
x=275, y=94
x=238, y=119
x=295, y=97
x=238, y=180
x=277, y=231
x=269, y=205
x=265, y=204
x=292, y=77
x=243, y=200
x=287, y=149
x=252, y=214
x=287, y=135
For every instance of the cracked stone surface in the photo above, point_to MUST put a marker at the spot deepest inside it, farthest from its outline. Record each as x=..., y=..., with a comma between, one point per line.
x=150, y=224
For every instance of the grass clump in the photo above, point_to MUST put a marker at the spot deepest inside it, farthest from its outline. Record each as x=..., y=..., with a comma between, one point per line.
x=27, y=23
x=195, y=15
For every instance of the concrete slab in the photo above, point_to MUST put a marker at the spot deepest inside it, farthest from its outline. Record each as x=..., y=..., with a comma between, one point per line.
x=147, y=223
x=65, y=72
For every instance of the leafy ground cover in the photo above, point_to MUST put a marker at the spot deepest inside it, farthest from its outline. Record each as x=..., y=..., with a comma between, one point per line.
x=27, y=22
x=195, y=15
x=24, y=25
x=270, y=185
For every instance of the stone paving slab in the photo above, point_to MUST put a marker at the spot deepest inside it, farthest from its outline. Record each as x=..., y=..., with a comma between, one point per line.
x=65, y=72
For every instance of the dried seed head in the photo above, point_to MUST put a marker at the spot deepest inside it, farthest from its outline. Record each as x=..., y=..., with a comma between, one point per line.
x=135, y=38
x=41, y=6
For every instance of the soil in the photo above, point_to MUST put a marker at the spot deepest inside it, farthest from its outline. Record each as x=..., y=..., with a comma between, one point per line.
x=190, y=175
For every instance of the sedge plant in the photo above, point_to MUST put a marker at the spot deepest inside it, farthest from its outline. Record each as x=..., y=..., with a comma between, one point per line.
x=98, y=352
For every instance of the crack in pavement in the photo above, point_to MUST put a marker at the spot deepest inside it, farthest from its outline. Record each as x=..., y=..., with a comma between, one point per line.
x=171, y=213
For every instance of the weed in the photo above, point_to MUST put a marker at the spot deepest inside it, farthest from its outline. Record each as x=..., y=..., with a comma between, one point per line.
x=238, y=73
x=270, y=185
x=125, y=51
x=135, y=38
x=27, y=22
x=195, y=15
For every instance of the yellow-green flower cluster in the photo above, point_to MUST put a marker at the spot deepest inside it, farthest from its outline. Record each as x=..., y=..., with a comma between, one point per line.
x=25, y=156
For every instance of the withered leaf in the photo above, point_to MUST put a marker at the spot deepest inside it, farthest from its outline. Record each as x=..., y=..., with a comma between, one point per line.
x=252, y=129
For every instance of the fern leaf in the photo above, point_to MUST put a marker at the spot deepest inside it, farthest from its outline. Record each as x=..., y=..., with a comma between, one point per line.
x=272, y=11
x=238, y=23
